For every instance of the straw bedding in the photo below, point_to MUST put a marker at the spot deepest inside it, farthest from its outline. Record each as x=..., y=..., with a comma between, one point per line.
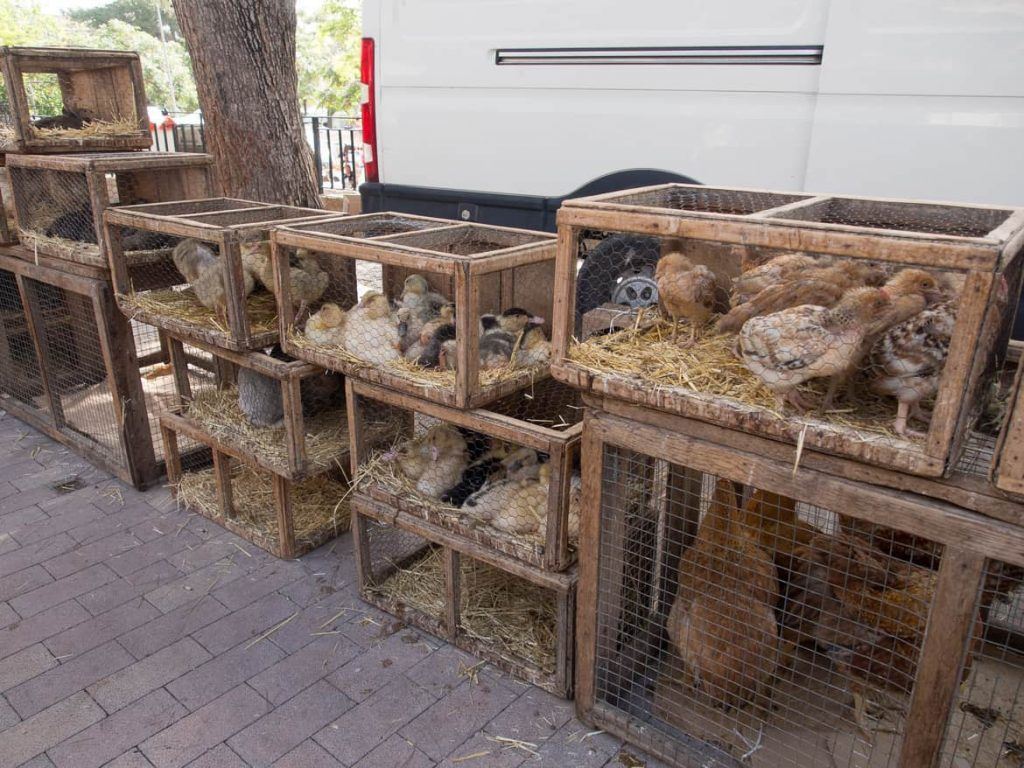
x=510, y=615
x=646, y=355
x=95, y=129
x=320, y=509
x=326, y=433
x=183, y=306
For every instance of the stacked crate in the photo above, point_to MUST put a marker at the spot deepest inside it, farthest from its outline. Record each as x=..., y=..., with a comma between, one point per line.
x=464, y=452
x=272, y=430
x=74, y=366
x=760, y=586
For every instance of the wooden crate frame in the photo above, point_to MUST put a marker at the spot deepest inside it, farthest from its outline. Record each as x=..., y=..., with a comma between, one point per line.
x=783, y=225
x=135, y=460
x=562, y=584
x=968, y=541
x=290, y=376
x=155, y=176
x=561, y=446
x=172, y=425
x=107, y=83
x=1008, y=467
x=7, y=236
x=457, y=276
x=224, y=222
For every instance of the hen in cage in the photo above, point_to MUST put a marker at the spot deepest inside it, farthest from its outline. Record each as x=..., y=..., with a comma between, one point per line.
x=307, y=280
x=434, y=462
x=685, y=290
x=203, y=268
x=756, y=278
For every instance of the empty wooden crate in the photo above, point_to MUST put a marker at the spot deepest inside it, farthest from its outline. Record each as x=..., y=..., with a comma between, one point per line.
x=734, y=612
x=284, y=517
x=435, y=309
x=226, y=298
x=505, y=476
x=517, y=618
x=59, y=200
x=285, y=415
x=102, y=97
x=892, y=281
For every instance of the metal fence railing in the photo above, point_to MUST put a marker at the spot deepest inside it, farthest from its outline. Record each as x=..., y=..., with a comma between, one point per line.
x=337, y=144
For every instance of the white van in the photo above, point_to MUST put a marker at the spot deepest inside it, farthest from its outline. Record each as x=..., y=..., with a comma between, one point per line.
x=496, y=110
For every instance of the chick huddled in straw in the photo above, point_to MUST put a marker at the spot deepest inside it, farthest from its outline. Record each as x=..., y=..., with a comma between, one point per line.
x=420, y=329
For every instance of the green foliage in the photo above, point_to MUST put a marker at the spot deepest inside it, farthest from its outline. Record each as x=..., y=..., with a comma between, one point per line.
x=140, y=14
x=328, y=58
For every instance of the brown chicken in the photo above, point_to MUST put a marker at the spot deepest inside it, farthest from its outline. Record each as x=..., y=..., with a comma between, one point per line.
x=722, y=621
x=772, y=521
x=752, y=281
x=822, y=286
x=685, y=291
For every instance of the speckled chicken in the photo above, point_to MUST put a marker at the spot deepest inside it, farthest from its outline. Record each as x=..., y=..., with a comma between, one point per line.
x=534, y=347
x=516, y=504
x=416, y=347
x=203, y=268
x=371, y=330
x=820, y=286
x=787, y=348
x=421, y=305
x=434, y=461
x=722, y=622
x=327, y=326
x=307, y=280
x=686, y=291
x=907, y=362
x=774, y=271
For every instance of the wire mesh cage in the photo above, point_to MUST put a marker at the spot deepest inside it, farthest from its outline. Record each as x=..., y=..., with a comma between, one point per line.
x=101, y=95
x=8, y=226
x=58, y=201
x=284, y=517
x=735, y=613
x=454, y=313
x=76, y=369
x=859, y=327
x=519, y=622
x=1008, y=468
x=216, y=284
x=506, y=476
x=286, y=416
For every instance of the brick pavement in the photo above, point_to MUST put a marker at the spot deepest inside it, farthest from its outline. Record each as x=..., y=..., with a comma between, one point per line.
x=126, y=640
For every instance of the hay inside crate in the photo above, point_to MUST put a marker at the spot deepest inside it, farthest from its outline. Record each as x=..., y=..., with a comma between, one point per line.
x=710, y=369
x=182, y=306
x=217, y=410
x=508, y=615
x=95, y=129
x=81, y=252
x=320, y=508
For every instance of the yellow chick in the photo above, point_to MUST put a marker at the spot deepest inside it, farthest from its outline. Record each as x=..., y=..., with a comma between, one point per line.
x=327, y=326
x=371, y=330
x=435, y=461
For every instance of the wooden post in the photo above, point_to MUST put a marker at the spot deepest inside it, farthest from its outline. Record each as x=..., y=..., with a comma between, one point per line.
x=285, y=525
x=467, y=350
x=294, y=426
x=172, y=456
x=222, y=476
x=179, y=368
x=234, y=284
x=36, y=324
x=453, y=592
x=589, y=551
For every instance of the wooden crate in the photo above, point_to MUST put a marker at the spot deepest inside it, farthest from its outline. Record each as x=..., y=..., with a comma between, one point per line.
x=284, y=517
x=101, y=86
x=1008, y=466
x=154, y=293
x=531, y=638
x=310, y=432
x=533, y=519
x=8, y=233
x=476, y=268
x=75, y=368
x=59, y=200
x=974, y=250
x=832, y=587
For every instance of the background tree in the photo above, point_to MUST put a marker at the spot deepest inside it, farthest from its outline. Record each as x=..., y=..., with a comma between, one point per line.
x=328, y=58
x=243, y=59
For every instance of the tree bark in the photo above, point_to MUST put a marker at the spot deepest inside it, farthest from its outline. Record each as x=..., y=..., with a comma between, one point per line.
x=243, y=57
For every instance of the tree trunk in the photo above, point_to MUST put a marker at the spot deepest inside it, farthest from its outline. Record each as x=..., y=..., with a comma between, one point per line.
x=243, y=57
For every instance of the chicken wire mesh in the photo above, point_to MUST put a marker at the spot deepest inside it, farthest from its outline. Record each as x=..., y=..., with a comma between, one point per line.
x=249, y=414
x=519, y=495
x=736, y=627
x=846, y=354
x=8, y=226
x=394, y=319
x=20, y=375
x=500, y=617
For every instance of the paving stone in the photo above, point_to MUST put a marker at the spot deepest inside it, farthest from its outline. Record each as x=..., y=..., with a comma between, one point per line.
x=59, y=520
x=122, y=590
x=535, y=716
x=41, y=552
x=8, y=715
x=578, y=745
x=110, y=737
x=220, y=756
x=245, y=624
x=223, y=673
x=48, y=728
x=308, y=754
x=251, y=587
x=194, y=734
x=375, y=668
x=304, y=667
x=39, y=761
x=209, y=552
x=172, y=626
x=20, y=582
x=397, y=750
x=14, y=521
x=290, y=724
x=70, y=676
x=99, y=629
x=8, y=615
x=455, y=717
x=57, y=592
x=365, y=726
x=161, y=548
x=482, y=751
x=328, y=615
x=17, y=501
x=187, y=588
x=308, y=590
x=125, y=686
x=444, y=670
x=123, y=520
x=130, y=759
x=40, y=627
x=25, y=665
x=65, y=563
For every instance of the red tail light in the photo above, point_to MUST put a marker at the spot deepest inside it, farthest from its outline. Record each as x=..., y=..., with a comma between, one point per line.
x=368, y=110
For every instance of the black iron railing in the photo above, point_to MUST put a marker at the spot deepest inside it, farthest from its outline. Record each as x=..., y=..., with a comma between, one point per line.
x=337, y=144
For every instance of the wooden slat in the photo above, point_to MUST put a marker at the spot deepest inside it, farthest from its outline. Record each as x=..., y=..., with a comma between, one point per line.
x=589, y=552
x=222, y=476
x=453, y=592
x=285, y=522
x=41, y=342
x=179, y=367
